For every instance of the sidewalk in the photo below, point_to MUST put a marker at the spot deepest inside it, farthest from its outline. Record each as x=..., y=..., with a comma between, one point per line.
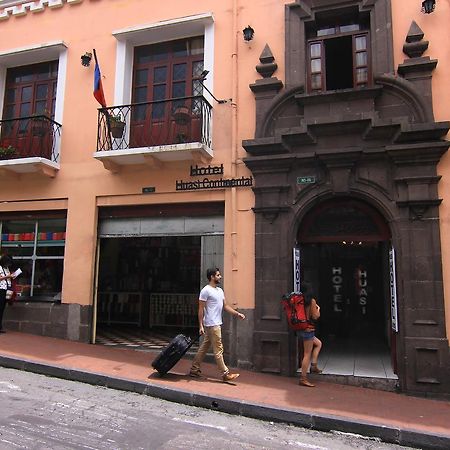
x=391, y=417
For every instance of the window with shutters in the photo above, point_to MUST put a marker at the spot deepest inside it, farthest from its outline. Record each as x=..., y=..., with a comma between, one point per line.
x=338, y=51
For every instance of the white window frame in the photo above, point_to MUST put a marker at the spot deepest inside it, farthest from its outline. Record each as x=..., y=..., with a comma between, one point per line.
x=34, y=54
x=167, y=30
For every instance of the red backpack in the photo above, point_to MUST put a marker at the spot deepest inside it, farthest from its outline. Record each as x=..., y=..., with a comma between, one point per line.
x=294, y=307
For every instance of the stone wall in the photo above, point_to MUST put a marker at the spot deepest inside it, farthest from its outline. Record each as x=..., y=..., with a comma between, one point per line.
x=59, y=320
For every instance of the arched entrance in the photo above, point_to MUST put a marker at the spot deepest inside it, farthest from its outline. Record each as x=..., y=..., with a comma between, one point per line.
x=344, y=252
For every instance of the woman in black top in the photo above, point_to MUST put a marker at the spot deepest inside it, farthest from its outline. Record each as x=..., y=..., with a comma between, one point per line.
x=5, y=284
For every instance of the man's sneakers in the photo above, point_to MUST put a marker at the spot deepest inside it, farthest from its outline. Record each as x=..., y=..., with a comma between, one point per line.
x=195, y=373
x=229, y=377
x=225, y=378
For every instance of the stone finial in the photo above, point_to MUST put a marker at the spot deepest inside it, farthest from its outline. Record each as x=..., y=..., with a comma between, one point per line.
x=267, y=66
x=414, y=46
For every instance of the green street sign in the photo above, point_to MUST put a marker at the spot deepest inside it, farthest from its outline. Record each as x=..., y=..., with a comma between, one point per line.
x=306, y=180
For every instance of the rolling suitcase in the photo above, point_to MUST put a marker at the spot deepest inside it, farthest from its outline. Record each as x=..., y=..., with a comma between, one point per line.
x=179, y=345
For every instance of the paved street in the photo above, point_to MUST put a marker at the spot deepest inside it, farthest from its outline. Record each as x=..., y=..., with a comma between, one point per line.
x=39, y=412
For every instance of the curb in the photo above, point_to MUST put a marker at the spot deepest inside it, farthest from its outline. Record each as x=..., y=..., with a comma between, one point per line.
x=312, y=420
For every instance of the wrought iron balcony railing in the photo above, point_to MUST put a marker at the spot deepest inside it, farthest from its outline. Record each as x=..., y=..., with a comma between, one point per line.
x=28, y=137
x=152, y=124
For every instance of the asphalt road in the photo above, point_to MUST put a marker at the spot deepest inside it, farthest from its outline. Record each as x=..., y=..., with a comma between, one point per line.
x=39, y=412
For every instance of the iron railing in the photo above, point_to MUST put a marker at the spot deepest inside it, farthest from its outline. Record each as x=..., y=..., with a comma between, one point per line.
x=157, y=123
x=27, y=137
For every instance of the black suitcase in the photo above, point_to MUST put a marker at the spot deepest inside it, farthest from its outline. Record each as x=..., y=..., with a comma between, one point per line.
x=178, y=346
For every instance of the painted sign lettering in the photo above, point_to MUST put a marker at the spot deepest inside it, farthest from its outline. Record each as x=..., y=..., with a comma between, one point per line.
x=296, y=259
x=393, y=288
x=337, y=281
x=362, y=289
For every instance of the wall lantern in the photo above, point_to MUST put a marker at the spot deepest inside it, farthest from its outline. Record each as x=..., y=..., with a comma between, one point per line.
x=248, y=33
x=86, y=59
x=428, y=6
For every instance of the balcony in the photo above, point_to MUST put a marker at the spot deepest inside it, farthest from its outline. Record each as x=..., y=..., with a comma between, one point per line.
x=30, y=145
x=154, y=133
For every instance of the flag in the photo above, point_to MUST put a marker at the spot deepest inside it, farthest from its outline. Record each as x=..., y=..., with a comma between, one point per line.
x=98, y=87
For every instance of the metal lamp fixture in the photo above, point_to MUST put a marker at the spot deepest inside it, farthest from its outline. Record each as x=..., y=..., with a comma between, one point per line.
x=428, y=6
x=249, y=32
x=86, y=59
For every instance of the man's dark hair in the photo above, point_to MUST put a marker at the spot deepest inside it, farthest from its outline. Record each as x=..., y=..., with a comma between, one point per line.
x=211, y=272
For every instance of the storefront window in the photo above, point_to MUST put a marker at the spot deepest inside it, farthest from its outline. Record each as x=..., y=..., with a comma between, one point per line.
x=37, y=247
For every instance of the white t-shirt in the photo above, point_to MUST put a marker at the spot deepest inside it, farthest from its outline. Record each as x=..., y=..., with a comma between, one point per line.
x=214, y=298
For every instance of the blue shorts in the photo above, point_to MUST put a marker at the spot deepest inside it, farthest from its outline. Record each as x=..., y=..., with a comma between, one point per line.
x=306, y=335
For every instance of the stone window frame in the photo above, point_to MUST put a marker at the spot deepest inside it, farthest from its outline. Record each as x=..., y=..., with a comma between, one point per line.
x=302, y=11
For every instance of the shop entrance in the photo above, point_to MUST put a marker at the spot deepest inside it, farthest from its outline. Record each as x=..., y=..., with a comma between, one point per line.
x=344, y=253
x=148, y=282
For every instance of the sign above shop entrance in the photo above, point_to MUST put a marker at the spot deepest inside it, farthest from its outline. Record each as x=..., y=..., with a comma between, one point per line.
x=207, y=183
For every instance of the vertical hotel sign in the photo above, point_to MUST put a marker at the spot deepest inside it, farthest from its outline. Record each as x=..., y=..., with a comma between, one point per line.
x=393, y=286
x=296, y=260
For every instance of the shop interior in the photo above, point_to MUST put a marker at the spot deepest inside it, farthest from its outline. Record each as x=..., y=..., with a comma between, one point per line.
x=147, y=290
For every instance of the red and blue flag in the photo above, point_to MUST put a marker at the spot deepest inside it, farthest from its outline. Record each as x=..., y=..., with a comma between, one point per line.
x=98, y=87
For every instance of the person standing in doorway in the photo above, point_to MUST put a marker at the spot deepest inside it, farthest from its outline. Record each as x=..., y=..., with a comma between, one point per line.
x=5, y=284
x=210, y=306
x=311, y=344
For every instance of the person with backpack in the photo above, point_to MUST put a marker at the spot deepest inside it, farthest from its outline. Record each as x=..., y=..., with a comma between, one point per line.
x=311, y=344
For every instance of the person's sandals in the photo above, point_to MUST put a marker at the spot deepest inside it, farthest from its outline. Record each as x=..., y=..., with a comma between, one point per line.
x=314, y=369
x=195, y=374
x=305, y=382
x=229, y=377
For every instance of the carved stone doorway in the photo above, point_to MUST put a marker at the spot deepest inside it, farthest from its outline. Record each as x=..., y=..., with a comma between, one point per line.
x=344, y=252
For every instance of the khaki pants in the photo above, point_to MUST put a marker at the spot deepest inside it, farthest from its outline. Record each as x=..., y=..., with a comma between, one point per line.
x=212, y=336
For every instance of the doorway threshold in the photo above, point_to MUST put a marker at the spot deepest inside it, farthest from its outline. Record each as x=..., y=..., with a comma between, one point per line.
x=364, y=362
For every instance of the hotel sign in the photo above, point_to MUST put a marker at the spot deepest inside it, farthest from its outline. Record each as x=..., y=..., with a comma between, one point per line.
x=208, y=183
x=296, y=259
x=393, y=286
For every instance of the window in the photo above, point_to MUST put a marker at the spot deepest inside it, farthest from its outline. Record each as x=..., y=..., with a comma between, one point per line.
x=161, y=72
x=37, y=248
x=338, y=52
x=30, y=91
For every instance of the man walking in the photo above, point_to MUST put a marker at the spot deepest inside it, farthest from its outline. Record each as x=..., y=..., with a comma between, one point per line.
x=210, y=305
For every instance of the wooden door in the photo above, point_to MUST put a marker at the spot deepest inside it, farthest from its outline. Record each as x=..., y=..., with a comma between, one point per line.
x=30, y=92
x=164, y=73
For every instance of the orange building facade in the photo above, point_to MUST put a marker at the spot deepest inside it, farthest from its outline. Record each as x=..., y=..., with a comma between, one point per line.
x=308, y=153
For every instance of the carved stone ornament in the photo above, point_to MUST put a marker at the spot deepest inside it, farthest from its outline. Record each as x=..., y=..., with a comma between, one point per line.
x=267, y=66
x=414, y=46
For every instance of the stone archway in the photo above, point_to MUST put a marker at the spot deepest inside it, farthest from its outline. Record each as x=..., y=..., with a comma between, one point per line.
x=344, y=246
x=353, y=143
